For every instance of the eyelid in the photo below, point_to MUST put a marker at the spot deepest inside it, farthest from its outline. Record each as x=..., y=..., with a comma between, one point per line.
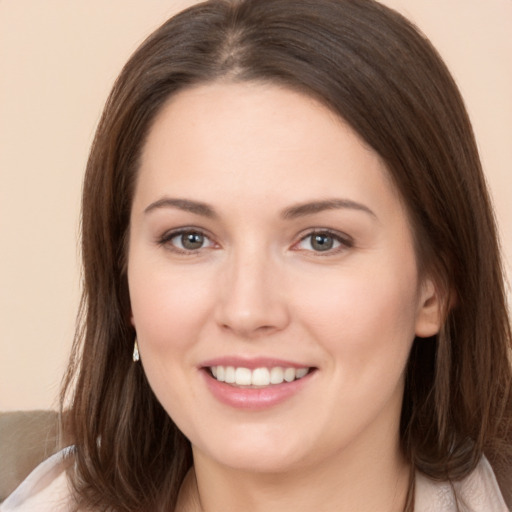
x=345, y=241
x=165, y=239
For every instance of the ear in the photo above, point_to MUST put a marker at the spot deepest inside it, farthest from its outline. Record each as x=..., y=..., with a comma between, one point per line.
x=430, y=310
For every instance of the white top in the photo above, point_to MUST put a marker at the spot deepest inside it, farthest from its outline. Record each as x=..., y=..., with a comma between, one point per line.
x=46, y=490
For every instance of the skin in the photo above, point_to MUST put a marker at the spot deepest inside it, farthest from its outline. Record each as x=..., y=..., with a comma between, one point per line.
x=258, y=287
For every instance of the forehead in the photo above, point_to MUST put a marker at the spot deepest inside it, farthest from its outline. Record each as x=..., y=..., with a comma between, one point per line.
x=250, y=139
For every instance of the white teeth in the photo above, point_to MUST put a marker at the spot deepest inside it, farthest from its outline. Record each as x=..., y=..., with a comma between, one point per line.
x=289, y=374
x=276, y=375
x=243, y=377
x=230, y=375
x=258, y=377
x=301, y=372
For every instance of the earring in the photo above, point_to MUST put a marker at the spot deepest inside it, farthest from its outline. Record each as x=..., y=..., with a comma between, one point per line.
x=135, y=355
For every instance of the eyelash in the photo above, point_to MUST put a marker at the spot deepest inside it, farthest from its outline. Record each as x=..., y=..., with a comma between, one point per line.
x=344, y=241
x=166, y=240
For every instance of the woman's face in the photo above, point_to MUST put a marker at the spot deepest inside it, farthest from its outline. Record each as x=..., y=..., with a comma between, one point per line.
x=273, y=280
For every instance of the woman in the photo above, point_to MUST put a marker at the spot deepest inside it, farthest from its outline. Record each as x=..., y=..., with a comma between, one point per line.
x=293, y=295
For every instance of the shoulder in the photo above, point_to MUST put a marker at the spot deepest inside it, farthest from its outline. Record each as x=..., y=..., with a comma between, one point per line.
x=478, y=491
x=45, y=489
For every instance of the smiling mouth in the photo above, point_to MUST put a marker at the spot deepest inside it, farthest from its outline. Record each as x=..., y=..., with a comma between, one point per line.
x=259, y=377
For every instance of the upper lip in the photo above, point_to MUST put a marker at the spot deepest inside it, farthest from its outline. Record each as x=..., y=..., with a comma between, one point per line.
x=252, y=363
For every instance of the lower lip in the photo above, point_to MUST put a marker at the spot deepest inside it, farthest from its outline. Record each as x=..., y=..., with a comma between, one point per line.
x=254, y=398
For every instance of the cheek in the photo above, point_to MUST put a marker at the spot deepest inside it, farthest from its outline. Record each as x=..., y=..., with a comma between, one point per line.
x=169, y=311
x=168, y=308
x=365, y=314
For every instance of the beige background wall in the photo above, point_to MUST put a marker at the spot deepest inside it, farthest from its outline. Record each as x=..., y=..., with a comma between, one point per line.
x=58, y=60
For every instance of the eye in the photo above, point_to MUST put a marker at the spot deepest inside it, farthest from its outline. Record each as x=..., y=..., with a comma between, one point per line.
x=186, y=240
x=324, y=241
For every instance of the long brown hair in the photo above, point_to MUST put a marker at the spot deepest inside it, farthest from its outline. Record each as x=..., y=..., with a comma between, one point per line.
x=374, y=69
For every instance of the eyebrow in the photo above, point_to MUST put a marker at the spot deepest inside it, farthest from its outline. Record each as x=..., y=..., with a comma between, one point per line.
x=187, y=205
x=301, y=210
x=293, y=212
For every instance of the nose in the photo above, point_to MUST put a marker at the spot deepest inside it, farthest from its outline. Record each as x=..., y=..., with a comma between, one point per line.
x=252, y=300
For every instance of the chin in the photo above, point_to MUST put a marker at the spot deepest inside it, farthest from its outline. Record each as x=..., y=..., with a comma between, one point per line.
x=256, y=461
x=254, y=453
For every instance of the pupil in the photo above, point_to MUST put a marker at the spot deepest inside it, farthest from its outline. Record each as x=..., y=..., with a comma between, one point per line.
x=192, y=240
x=322, y=242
